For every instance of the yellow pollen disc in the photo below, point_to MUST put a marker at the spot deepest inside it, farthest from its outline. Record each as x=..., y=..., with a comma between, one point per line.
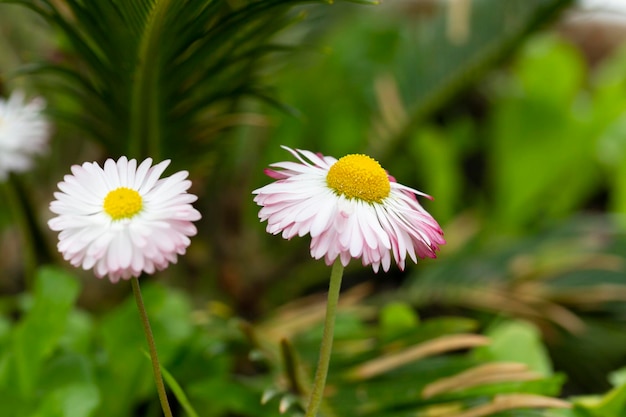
x=122, y=203
x=359, y=176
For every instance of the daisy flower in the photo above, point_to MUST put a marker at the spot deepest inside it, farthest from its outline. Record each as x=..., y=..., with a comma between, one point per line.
x=123, y=219
x=24, y=133
x=351, y=208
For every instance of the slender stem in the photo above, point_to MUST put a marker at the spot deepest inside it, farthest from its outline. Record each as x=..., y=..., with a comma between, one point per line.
x=319, y=383
x=156, y=367
x=17, y=209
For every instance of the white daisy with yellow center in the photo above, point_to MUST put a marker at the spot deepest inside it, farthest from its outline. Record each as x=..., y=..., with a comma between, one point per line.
x=123, y=219
x=24, y=133
x=351, y=208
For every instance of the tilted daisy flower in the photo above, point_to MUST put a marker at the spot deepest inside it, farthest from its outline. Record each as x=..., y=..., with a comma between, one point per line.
x=24, y=133
x=351, y=208
x=123, y=219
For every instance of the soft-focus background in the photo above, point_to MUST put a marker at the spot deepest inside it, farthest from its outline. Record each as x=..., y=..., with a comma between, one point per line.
x=510, y=113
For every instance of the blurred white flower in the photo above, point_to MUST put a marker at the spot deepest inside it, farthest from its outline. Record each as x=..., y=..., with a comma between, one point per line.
x=123, y=219
x=351, y=208
x=24, y=133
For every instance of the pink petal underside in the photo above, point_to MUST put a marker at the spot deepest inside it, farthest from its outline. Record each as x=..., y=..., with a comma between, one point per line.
x=277, y=175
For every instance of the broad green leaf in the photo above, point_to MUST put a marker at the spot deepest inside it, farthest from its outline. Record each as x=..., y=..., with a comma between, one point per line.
x=613, y=404
x=79, y=334
x=610, y=122
x=68, y=384
x=39, y=333
x=217, y=396
x=618, y=377
x=397, y=318
x=69, y=401
x=560, y=86
x=536, y=137
x=517, y=341
x=439, y=171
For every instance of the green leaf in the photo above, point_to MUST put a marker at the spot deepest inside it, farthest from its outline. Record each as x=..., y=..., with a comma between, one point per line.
x=612, y=404
x=397, y=318
x=39, y=333
x=560, y=86
x=517, y=341
x=440, y=155
x=543, y=127
x=618, y=377
x=69, y=401
x=69, y=387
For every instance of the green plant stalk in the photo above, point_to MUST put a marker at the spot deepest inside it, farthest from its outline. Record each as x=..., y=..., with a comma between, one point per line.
x=319, y=383
x=156, y=367
x=17, y=209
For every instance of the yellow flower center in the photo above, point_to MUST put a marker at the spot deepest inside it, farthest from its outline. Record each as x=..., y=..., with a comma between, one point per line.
x=122, y=203
x=359, y=176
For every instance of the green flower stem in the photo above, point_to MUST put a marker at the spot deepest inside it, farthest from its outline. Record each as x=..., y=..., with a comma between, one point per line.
x=18, y=212
x=319, y=383
x=156, y=367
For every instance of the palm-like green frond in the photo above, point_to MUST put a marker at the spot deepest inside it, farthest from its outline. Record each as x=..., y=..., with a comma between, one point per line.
x=150, y=77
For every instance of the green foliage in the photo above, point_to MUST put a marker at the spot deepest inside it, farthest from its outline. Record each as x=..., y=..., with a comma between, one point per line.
x=545, y=125
x=397, y=318
x=29, y=362
x=517, y=341
x=478, y=332
x=158, y=77
x=575, y=295
x=612, y=404
x=127, y=374
x=60, y=361
x=79, y=366
x=384, y=72
x=416, y=371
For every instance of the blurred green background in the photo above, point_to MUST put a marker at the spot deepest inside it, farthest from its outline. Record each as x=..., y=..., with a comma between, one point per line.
x=511, y=113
